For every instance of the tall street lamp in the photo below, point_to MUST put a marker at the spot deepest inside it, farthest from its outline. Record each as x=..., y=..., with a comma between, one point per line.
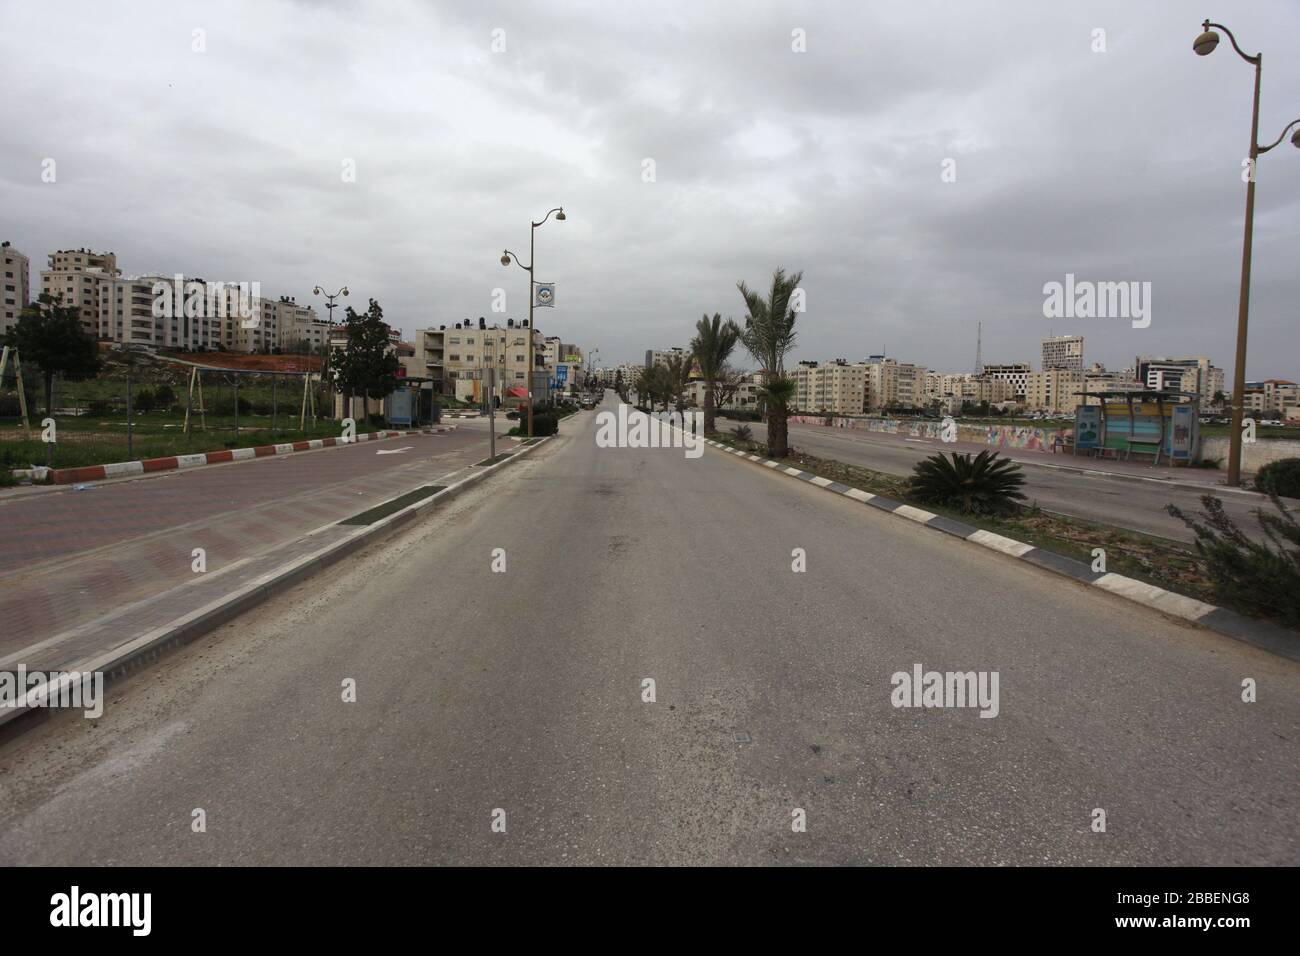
x=1203, y=46
x=506, y=256
x=330, y=304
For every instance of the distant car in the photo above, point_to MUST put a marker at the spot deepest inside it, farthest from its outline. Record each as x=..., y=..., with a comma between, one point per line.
x=513, y=416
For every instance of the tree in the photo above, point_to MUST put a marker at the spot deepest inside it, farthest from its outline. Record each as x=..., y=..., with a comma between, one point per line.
x=367, y=364
x=674, y=376
x=712, y=346
x=726, y=386
x=769, y=336
x=620, y=386
x=49, y=337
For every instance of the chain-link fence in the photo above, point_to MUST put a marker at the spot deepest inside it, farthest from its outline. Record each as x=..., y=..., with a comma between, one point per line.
x=152, y=409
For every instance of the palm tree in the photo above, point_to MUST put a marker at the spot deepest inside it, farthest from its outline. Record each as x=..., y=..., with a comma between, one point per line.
x=769, y=336
x=644, y=386
x=712, y=346
x=675, y=375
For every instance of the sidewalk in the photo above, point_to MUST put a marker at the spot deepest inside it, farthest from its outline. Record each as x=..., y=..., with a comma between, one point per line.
x=73, y=557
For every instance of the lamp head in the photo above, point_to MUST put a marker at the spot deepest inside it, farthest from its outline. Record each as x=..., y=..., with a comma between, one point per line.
x=1295, y=139
x=1205, y=43
x=560, y=217
x=316, y=291
x=505, y=258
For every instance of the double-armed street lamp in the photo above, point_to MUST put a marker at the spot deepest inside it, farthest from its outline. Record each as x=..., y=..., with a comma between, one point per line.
x=1203, y=46
x=506, y=257
x=330, y=304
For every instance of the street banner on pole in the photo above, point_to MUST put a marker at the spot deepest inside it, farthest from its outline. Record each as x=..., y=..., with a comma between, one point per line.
x=544, y=294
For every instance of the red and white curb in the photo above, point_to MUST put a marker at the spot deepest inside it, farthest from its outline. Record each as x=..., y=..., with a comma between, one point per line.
x=1269, y=637
x=99, y=472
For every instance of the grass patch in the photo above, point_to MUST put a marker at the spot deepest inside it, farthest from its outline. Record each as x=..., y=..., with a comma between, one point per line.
x=492, y=461
x=371, y=515
x=102, y=439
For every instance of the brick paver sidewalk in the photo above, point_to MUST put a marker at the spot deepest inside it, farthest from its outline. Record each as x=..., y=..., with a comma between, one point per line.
x=71, y=557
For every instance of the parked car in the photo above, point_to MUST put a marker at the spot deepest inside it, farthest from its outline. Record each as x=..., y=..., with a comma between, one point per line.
x=513, y=416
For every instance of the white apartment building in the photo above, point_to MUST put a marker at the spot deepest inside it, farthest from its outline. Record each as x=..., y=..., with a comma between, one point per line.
x=77, y=277
x=838, y=387
x=891, y=383
x=655, y=357
x=299, y=323
x=1271, y=397
x=1063, y=351
x=16, y=287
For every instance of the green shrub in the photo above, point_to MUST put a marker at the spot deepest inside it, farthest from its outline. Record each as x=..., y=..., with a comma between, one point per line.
x=1281, y=477
x=143, y=400
x=1258, y=577
x=545, y=424
x=985, y=484
x=226, y=406
x=742, y=433
x=98, y=406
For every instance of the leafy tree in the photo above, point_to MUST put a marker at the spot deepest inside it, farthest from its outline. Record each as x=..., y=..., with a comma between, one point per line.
x=367, y=364
x=144, y=400
x=713, y=344
x=769, y=335
x=49, y=337
x=726, y=386
x=165, y=396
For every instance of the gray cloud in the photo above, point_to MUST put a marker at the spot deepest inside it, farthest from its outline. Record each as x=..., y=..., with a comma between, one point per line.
x=1115, y=165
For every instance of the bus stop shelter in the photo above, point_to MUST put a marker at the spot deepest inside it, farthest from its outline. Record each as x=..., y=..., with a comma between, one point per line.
x=1163, y=423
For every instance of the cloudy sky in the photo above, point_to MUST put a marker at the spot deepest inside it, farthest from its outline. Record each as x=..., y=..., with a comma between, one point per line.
x=1123, y=165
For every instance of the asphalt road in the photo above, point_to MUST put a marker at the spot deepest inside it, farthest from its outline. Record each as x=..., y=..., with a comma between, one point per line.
x=1119, y=502
x=522, y=692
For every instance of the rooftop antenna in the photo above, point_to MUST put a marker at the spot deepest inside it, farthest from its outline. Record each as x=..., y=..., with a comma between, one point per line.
x=979, y=348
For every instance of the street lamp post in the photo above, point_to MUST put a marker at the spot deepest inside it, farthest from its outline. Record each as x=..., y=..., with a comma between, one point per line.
x=1203, y=46
x=506, y=256
x=330, y=305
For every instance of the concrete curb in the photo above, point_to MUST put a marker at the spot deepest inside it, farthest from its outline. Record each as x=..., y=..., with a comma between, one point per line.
x=123, y=469
x=1268, y=637
x=142, y=651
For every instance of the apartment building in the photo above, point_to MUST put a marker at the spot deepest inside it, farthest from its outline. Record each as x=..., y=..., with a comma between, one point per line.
x=890, y=383
x=1191, y=374
x=456, y=358
x=1272, y=398
x=1063, y=351
x=16, y=291
x=838, y=387
x=745, y=397
x=655, y=357
x=1016, y=374
x=78, y=277
x=299, y=324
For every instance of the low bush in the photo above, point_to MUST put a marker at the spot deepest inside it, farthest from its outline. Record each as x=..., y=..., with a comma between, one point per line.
x=545, y=424
x=983, y=484
x=1260, y=577
x=1281, y=477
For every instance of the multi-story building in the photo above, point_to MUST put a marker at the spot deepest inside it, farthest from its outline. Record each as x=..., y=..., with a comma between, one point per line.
x=745, y=397
x=655, y=357
x=1271, y=398
x=838, y=387
x=1016, y=374
x=299, y=326
x=16, y=290
x=456, y=358
x=890, y=383
x=78, y=277
x=1192, y=374
x=1063, y=351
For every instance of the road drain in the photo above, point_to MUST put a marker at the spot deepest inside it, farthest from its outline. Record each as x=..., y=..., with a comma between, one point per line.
x=397, y=504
